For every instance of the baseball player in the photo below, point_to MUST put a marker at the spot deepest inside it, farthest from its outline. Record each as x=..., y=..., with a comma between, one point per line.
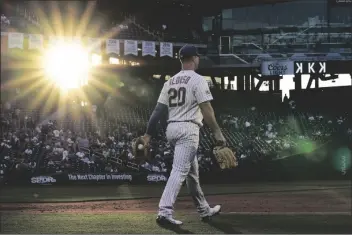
x=186, y=98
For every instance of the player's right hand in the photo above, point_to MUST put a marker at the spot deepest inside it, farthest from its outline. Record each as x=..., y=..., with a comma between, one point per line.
x=146, y=139
x=219, y=138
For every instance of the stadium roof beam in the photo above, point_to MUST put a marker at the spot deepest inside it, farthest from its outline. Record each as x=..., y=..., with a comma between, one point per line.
x=130, y=5
x=225, y=4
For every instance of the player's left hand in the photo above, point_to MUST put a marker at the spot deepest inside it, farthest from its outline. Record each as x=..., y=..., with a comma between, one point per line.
x=225, y=157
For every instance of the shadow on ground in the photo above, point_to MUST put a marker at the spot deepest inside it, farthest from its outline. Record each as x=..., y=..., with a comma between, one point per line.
x=176, y=229
x=223, y=226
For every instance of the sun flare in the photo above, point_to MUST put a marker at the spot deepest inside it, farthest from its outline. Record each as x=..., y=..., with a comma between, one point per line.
x=67, y=65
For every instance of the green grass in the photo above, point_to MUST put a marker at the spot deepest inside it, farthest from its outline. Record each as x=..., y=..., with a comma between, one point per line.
x=114, y=192
x=145, y=223
x=142, y=223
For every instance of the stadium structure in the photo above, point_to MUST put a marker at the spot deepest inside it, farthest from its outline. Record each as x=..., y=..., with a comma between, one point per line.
x=80, y=79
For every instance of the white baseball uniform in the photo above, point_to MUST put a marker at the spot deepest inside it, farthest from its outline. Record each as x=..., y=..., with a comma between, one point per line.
x=182, y=94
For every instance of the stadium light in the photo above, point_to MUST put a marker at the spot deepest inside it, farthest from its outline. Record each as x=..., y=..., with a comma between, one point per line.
x=67, y=65
x=96, y=59
x=113, y=60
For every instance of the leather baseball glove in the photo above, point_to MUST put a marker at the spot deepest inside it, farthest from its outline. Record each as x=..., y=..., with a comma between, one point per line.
x=225, y=157
x=140, y=149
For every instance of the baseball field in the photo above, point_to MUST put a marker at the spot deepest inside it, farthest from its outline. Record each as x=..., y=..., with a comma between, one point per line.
x=295, y=207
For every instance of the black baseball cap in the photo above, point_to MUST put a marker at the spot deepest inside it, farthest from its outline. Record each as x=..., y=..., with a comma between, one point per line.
x=188, y=51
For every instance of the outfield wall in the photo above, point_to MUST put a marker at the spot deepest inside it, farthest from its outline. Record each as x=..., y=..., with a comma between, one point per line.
x=331, y=162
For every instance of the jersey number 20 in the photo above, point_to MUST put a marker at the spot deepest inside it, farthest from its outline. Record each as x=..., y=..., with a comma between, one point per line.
x=177, y=97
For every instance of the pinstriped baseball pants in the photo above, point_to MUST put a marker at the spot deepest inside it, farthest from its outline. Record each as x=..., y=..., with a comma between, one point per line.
x=184, y=137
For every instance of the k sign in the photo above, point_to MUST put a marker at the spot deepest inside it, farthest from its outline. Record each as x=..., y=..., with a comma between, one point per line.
x=309, y=67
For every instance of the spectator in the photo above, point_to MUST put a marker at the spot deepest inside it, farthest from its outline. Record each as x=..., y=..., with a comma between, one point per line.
x=4, y=20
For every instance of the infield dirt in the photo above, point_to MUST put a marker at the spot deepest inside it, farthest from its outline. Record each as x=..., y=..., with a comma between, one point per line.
x=332, y=201
x=302, y=210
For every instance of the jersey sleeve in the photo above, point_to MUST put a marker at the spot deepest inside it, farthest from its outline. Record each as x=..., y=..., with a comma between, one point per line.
x=164, y=97
x=202, y=92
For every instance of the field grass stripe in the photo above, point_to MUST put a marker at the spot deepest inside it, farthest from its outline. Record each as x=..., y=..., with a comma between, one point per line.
x=181, y=196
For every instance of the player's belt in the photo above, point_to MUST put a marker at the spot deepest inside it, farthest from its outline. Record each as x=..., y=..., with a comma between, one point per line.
x=184, y=121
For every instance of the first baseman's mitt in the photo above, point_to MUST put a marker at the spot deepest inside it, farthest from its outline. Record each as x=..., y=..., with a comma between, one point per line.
x=225, y=157
x=139, y=148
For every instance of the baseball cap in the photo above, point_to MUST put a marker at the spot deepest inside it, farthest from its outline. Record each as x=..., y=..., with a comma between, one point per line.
x=188, y=51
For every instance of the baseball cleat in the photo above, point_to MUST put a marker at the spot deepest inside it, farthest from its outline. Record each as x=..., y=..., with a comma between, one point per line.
x=162, y=220
x=212, y=212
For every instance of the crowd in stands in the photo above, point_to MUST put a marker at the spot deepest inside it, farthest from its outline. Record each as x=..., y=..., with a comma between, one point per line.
x=18, y=18
x=101, y=142
x=5, y=22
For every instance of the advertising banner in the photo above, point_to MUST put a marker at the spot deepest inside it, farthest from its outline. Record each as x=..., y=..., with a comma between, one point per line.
x=156, y=178
x=131, y=47
x=100, y=177
x=15, y=40
x=269, y=68
x=166, y=49
x=113, y=46
x=134, y=177
x=148, y=48
x=36, y=41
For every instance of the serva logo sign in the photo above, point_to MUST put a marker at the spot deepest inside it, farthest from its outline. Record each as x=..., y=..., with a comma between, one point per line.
x=156, y=178
x=42, y=180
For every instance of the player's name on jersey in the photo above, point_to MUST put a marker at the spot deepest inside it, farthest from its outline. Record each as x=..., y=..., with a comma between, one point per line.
x=179, y=80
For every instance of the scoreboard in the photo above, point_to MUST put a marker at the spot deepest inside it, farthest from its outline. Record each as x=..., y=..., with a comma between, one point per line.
x=305, y=67
x=323, y=67
x=270, y=68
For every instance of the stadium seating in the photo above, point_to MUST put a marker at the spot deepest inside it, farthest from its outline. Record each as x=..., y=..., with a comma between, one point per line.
x=253, y=134
x=30, y=141
x=310, y=37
